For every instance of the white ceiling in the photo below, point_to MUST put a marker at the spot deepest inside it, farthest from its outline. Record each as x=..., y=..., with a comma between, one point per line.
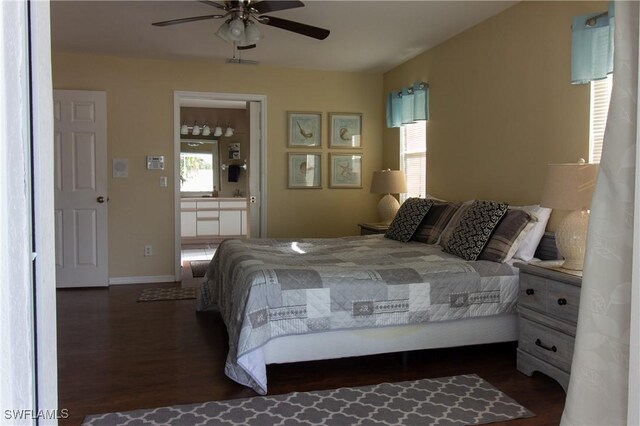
x=365, y=35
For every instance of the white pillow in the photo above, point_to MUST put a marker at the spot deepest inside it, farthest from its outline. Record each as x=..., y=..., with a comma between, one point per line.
x=528, y=247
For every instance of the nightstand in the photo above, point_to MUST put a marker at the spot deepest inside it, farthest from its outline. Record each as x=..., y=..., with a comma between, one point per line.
x=373, y=228
x=548, y=302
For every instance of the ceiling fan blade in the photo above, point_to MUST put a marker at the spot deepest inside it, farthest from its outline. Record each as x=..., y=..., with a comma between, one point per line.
x=214, y=4
x=296, y=27
x=184, y=20
x=266, y=6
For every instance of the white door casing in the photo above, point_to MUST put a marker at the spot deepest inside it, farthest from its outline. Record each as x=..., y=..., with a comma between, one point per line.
x=254, y=200
x=80, y=145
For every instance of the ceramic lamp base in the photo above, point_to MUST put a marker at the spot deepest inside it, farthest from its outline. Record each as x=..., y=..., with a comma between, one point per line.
x=387, y=208
x=571, y=238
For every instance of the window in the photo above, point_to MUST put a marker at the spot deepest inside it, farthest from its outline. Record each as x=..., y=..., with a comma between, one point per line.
x=600, y=97
x=196, y=172
x=413, y=158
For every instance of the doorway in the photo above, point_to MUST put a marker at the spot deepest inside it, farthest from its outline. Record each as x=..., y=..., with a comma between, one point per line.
x=253, y=221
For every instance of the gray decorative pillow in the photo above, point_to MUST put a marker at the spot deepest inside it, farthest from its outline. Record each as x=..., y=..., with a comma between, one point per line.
x=474, y=229
x=434, y=222
x=408, y=218
x=504, y=241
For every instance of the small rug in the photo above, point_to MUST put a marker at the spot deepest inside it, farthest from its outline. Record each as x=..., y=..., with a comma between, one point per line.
x=457, y=400
x=199, y=267
x=170, y=293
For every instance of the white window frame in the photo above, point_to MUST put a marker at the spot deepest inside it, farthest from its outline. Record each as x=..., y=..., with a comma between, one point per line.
x=405, y=154
x=598, y=111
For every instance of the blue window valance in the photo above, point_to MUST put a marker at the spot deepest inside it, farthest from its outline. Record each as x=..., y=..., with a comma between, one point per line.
x=592, y=46
x=408, y=105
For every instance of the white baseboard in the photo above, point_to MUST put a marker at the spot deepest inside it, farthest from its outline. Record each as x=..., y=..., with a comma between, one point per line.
x=142, y=280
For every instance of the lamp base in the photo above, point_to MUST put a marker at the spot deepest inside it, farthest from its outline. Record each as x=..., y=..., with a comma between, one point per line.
x=387, y=208
x=571, y=238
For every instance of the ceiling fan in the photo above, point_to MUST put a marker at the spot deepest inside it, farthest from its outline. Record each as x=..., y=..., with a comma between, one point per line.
x=241, y=17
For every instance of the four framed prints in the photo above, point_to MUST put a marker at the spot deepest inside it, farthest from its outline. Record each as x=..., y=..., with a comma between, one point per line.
x=304, y=130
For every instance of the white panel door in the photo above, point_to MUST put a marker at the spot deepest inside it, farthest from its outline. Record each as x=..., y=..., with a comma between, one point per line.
x=80, y=129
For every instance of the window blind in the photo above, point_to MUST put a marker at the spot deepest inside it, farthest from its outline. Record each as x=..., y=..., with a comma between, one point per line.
x=413, y=158
x=600, y=97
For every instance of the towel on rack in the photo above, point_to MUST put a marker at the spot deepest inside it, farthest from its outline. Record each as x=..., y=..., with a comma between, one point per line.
x=234, y=173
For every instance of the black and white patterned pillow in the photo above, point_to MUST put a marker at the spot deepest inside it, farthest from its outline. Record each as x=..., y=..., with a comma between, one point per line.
x=474, y=229
x=408, y=218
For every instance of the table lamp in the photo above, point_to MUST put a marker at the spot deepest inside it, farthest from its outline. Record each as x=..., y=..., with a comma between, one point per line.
x=388, y=182
x=569, y=186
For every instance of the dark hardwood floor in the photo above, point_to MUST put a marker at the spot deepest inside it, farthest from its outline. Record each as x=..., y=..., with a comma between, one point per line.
x=115, y=354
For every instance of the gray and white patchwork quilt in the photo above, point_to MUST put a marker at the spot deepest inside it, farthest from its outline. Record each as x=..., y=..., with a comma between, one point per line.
x=267, y=288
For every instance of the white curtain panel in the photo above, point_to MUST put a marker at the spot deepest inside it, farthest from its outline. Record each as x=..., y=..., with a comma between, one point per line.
x=600, y=380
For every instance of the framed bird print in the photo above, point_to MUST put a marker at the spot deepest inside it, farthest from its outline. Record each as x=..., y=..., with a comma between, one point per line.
x=304, y=129
x=345, y=130
x=345, y=170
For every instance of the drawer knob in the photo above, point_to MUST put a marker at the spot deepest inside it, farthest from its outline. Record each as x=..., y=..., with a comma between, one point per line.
x=529, y=291
x=562, y=301
x=545, y=347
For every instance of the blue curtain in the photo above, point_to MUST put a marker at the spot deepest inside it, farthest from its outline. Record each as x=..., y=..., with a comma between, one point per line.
x=408, y=105
x=592, y=46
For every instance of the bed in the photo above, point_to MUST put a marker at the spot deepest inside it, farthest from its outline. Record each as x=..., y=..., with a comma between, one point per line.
x=308, y=299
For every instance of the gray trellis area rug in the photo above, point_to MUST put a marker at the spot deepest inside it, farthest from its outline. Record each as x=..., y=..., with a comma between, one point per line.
x=457, y=400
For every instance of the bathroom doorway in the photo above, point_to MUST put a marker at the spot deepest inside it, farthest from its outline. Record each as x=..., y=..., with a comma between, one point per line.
x=220, y=179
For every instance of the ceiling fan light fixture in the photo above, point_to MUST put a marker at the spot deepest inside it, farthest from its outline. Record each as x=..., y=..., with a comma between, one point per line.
x=236, y=29
x=223, y=32
x=252, y=33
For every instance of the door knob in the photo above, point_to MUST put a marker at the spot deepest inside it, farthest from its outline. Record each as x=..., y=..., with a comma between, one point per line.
x=100, y=199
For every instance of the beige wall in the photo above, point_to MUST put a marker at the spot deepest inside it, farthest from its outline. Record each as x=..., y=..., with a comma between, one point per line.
x=501, y=104
x=140, y=122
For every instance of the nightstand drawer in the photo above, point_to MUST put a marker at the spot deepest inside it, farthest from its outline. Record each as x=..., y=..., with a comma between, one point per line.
x=563, y=300
x=549, y=345
x=533, y=292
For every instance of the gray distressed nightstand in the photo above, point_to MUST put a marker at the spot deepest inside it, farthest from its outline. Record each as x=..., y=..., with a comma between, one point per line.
x=548, y=303
x=373, y=228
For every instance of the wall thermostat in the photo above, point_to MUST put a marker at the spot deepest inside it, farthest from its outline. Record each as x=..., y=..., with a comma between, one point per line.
x=155, y=162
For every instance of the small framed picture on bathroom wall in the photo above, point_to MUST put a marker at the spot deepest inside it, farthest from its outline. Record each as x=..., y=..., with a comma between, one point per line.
x=234, y=151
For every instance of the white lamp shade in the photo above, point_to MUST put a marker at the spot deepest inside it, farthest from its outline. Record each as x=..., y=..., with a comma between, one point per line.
x=569, y=186
x=229, y=132
x=217, y=131
x=184, y=129
x=388, y=182
x=206, y=130
x=196, y=130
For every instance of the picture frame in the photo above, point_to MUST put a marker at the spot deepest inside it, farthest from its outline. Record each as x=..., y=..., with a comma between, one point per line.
x=304, y=170
x=304, y=129
x=345, y=130
x=345, y=170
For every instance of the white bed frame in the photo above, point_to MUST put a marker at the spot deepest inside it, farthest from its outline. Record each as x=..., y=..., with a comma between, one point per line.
x=358, y=342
